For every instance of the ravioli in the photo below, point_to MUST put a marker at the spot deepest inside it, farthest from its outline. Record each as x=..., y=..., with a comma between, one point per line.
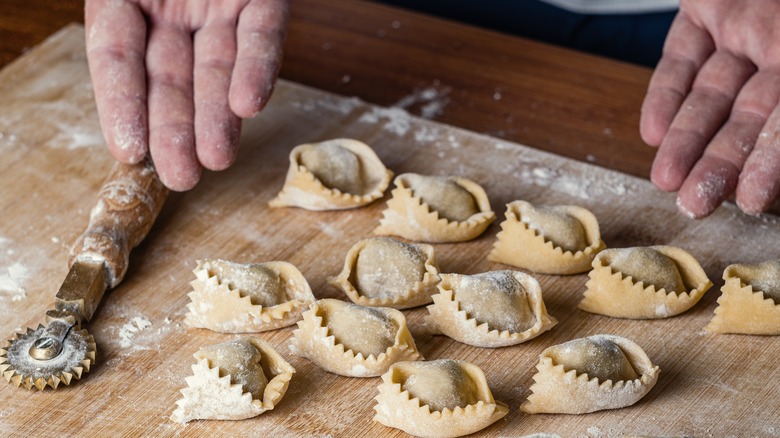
x=352, y=340
x=387, y=272
x=440, y=398
x=750, y=300
x=644, y=283
x=230, y=297
x=436, y=209
x=492, y=309
x=333, y=175
x=557, y=239
x=237, y=379
x=590, y=374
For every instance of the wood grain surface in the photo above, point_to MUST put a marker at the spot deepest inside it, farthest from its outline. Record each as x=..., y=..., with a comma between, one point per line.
x=54, y=161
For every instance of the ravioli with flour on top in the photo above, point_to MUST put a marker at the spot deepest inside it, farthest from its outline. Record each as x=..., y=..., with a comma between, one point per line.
x=590, y=374
x=230, y=297
x=352, y=340
x=436, y=209
x=557, y=239
x=386, y=272
x=492, y=309
x=333, y=175
x=644, y=282
x=750, y=302
x=237, y=379
x=440, y=398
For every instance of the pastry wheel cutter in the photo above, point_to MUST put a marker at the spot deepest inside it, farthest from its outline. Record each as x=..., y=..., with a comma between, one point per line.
x=61, y=351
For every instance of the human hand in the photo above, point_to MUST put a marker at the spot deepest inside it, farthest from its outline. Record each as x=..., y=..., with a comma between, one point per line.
x=174, y=78
x=712, y=106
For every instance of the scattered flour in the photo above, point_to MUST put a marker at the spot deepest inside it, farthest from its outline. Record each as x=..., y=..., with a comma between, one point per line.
x=12, y=281
x=432, y=101
x=586, y=186
x=427, y=134
x=594, y=431
x=333, y=104
x=131, y=329
x=712, y=186
x=76, y=137
x=13, y=274
x=398, y=120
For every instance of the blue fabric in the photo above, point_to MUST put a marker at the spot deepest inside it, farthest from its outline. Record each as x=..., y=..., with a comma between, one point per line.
x=635, y=38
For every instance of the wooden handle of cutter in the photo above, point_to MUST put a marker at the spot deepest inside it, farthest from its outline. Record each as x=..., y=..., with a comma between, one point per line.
x=128, y=203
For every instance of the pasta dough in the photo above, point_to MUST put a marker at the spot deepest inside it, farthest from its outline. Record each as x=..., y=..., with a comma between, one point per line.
x=335, y=166
x=595, y=356
x=240, y=360
x=441, y=398
x=436, y=209
x=443, y=195
x=649, y=266
x=558, y=226
x=388, y=272
x=351, y=340
x=440, y=385
x=492, y=309
x=333, y=175
x=238, y=379
x=365, y=330
x=235, y=298
x=487, y=297
x=560, y=239
x=590, y=374
x=750, y=302
x=642, y=291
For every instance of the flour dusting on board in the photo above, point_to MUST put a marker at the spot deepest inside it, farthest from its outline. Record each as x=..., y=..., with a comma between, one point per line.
x=431, y=100
x=585, y=185
x=13, y=275
x=76, y=137
x=12, y=282
x=131, y=329
x=397, y=120
x=330, y=103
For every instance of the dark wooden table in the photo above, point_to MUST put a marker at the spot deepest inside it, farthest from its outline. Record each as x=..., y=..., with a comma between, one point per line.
x=558, y=100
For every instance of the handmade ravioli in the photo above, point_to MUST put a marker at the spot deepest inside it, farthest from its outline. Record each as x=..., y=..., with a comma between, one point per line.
x=440, y=398
x=234, y=298
x=644, y=283
x=492, y=309
x=750, y=303
x=436, y=209
x=352, y=340
x=590, y=374
x=559, y=239
x=237, y=379
x=387, y=272
x=333, y=175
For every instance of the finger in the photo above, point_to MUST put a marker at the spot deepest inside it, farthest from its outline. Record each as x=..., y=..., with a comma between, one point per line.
x=262, y=27
x=116, y=64
x=759, y=182
x=715, y=175
x=699, y=118
x=216, y=127
x=686, y=49
x=171, y=112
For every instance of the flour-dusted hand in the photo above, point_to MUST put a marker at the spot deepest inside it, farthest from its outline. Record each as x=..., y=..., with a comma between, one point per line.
x=174, y=78
x=712, y=106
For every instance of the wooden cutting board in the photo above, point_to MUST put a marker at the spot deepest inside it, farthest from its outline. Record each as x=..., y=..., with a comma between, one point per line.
x=53, y=162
